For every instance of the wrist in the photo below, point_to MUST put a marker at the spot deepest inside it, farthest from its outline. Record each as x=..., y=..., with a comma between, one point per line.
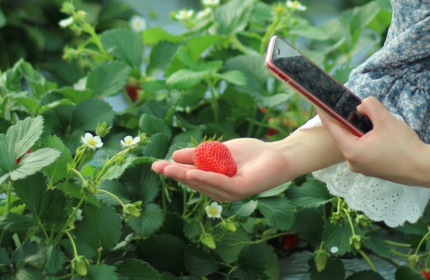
x=423, y=164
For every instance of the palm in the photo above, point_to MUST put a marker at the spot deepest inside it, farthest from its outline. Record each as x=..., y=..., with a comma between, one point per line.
x=259, y=165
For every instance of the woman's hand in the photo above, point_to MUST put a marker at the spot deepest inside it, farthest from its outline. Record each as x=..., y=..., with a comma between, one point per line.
x=260, y=166
x=391, y=151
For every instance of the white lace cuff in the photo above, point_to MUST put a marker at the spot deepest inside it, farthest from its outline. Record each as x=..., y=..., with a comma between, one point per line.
x=378, y=199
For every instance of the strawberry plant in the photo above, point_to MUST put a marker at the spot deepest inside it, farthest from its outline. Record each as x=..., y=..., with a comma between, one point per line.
x=85, y=204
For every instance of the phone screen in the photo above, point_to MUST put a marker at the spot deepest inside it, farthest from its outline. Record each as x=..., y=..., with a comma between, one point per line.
x=318, y=83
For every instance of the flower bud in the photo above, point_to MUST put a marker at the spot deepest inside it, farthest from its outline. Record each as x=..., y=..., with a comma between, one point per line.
x=67, y=8
x=413, y=261
x=132, y=210
x=320, y=259
x=80, y=265
x=229, y=226
x=79, y=16
x=102, y=130
x=362, y=221
x=355, y=241
x=208, y=240
x=120, y=160
x=89, y=187
x=70, y=53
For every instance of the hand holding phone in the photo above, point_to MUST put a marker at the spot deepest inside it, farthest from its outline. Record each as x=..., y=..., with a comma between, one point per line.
x=313, y=83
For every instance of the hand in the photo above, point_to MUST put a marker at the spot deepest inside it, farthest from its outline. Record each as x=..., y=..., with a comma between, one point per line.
x=391, y=151
x=260, y=166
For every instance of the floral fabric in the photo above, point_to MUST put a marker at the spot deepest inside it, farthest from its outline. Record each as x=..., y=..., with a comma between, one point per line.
x=398, y=74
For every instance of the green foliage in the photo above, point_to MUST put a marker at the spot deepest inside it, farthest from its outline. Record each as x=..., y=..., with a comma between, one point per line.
x=73, y=209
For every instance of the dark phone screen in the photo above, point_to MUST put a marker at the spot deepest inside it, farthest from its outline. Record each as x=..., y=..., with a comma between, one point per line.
x=305, y=73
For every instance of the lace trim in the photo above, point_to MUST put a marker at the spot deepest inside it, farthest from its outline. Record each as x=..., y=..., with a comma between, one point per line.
x=380, y=200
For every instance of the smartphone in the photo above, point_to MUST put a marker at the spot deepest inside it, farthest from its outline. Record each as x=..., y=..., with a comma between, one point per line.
x=317, y=86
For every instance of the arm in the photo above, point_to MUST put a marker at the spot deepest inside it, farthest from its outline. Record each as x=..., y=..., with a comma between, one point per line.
x=391, y=151
x=261, y=165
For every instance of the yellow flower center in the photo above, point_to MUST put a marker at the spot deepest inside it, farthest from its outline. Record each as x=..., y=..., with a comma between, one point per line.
x=296, y=4
x=213, y=211
x=129, y=141
x=92, y=142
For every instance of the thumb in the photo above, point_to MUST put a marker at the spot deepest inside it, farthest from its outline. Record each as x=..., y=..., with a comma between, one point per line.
x=373, y=109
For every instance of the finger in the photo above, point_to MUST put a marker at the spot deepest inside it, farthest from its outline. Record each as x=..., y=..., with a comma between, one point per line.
x=160, y=165
x=374, y=109
x=184, y=155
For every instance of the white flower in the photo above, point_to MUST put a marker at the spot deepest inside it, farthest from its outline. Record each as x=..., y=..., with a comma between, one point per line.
x=130, y=141
x=66, y=22
x=334, y=249
x=138, y=23
x=210, y=2
x=91, y=141
x=204, y=13
x=214, y=210
x=295, y=5
x=184, y=14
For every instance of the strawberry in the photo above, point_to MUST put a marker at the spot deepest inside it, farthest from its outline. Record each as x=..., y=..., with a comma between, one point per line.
x=214, y=156
x=425, y=273
x=289, y=241
x=133, y=88
x=18, y=160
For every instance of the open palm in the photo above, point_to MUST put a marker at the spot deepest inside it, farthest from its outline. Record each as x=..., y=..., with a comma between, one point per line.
x=260, y=166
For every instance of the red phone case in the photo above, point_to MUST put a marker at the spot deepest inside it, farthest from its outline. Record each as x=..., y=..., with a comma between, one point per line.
x=305, y=93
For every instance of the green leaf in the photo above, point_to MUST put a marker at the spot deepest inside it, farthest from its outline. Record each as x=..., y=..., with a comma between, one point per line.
x=34, y=162
x=73, y=190
x=278, y=210
x=108, y=78
x=75, y=95
x=245, y=209
x=4, y=256
x=309, y=225
x=31, y=191
x=3, y=20
x=252, y=262
x=163, y=252
x=158, y=146
x=200, y=263
x=274, y=100
x=376, y=243
x=231, y=244
x=154, y=35
x=185, y=79
x=100, y=228
x=252, y=66
x=102, y=272
x=14, y=222
x=160, y=57
x=55, y=104
x=192, y=230
x=152, y=125
x=233, y=16
x=90, y=112
x=310, y=194
x=273, y=269
x=23, y=273
x=29, y=253
x=18, y=140
x=341, y=74
x=337, y=235
x=31, y=105
x=136, y=270
x=55, y=258
x=82, y=247
x=142, y=182
x=235, y=77
x=334, y=270
x=53, y=208
x=407, y=273
x=365, y=274
x=185, y=137
x=58, y=170
x=124, y=44
x=197, y=45
x=275, y=191
x=150, y=220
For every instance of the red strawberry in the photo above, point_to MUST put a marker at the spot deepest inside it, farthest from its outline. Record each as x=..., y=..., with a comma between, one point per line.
x=426, y=273
x=133, y=88
x=19, y=159
x=214, y=156
x=289, y=241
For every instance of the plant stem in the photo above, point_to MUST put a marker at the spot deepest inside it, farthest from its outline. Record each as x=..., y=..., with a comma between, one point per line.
x=398, y=244
x=73, y=243
x=214, y=102
x=262, y=123
x=364, y=255
x=203, y=228
x=111, y=194
x=272, y=236
x=421, y=242
x=79, y=174
x=350, y=221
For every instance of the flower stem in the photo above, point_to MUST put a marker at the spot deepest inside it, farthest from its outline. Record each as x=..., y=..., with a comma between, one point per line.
x=398, y=244
x=350, y=221
x=111, y=194
x=272, y=236
x=73, y=243
x=364, y=255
